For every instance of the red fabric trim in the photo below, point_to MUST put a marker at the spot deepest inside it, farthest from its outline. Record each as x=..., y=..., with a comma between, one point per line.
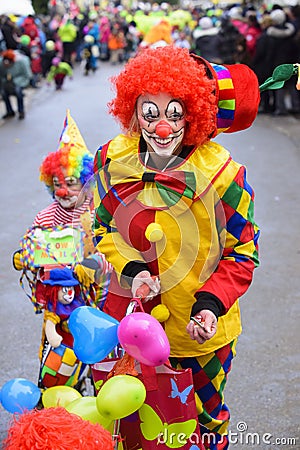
x=214, y=178
x=103, y=155
x=221, y=170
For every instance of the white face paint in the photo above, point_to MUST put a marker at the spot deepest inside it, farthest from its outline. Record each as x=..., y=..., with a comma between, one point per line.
x=66, y=202
x=68, y=192
x=66, y=294
x=162, y=121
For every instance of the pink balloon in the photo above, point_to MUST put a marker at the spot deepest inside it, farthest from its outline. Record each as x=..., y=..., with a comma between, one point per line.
x=143, y=338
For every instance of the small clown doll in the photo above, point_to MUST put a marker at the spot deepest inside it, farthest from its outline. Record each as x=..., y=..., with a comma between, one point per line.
x=59, y=365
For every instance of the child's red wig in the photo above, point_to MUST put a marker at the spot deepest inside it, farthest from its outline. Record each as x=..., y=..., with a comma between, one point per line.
x=173, y=71
x=56, y=428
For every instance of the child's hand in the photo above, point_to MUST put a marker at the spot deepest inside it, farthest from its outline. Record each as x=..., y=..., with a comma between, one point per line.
x=17, y=263
x=85, y=275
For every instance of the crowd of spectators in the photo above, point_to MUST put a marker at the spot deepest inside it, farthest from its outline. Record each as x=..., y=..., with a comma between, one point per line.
x=261, y=38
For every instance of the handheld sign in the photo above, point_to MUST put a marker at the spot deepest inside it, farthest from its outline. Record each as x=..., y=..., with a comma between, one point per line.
x=62, y=246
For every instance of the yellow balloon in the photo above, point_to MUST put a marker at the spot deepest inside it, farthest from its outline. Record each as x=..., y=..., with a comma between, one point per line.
x=59, y=396
x=86, y=408
x=120, y=396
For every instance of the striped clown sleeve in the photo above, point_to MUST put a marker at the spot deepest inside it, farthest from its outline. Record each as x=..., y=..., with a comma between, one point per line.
x=102, y=217
x=234, y=272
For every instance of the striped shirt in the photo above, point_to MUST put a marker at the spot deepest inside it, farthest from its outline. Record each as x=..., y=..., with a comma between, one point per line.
x=55, y=215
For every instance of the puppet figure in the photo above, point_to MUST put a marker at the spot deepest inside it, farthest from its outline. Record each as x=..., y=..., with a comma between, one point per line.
x=59, y=364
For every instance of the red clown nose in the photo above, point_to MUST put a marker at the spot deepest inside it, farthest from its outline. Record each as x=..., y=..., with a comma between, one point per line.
x=62, y=192
x=163, y=129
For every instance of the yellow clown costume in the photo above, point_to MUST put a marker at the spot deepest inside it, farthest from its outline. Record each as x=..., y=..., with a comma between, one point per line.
x=133, y=200
x=191, y=223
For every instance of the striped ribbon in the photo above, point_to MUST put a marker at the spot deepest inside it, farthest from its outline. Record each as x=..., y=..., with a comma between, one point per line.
x=226, y=103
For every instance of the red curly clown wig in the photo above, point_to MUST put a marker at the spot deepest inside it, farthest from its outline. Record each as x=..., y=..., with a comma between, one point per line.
x=71, y=159
x=55, y=429
x=170, y=70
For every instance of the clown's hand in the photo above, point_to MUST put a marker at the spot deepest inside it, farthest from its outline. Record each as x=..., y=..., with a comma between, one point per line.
x=202, y=326
x=145, y=286
x=85, y=275
x=52, y=335
x=16, y=260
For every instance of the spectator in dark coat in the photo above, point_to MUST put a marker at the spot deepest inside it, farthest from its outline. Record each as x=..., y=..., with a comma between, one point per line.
x=10, y=33
x=206, y=40
x=259, y=66
x=276, y=46
x=231, y=43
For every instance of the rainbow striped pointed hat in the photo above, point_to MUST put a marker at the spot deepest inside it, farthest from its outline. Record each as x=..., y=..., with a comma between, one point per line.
x=238, y=95
x=72, y=158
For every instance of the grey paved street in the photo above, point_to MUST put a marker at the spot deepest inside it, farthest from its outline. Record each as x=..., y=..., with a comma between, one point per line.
x=263, y=388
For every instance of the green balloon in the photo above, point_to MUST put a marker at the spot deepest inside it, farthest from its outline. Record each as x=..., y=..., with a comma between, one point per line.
x=59, y=396
x=86, y=408
x=25, y=40
x=120, y=396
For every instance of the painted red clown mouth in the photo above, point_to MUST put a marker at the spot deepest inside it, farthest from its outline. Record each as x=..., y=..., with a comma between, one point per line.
x=163, y=142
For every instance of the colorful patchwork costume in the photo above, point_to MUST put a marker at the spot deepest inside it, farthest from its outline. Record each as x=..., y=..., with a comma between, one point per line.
x=191, y=224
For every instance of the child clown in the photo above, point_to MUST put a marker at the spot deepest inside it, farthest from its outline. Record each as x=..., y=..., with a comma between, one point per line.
x=68, y=176
x=174, y=211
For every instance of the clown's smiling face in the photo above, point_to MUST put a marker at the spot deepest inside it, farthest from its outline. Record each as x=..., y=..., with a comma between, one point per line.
x=66, y=295
x=162, y=121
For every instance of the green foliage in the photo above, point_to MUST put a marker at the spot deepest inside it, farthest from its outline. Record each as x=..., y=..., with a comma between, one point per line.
x=40, y=6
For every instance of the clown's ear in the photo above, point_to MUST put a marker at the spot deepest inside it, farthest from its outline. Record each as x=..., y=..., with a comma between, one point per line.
x=280, y=75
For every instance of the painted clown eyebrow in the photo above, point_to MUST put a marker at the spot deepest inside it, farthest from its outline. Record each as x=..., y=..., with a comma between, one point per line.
x=150, y=110
x=174, y=110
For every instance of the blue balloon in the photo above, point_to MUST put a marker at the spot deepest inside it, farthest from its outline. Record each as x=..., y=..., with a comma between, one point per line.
x=94, y=332
x=19, y=395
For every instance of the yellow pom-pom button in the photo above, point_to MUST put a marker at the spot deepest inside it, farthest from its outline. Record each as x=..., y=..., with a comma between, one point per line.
x=160, y=313
x=154, y=232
